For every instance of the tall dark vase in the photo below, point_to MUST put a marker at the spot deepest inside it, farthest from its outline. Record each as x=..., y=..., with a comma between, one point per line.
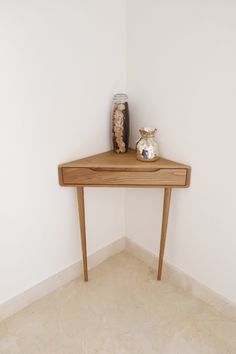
x=120, y=123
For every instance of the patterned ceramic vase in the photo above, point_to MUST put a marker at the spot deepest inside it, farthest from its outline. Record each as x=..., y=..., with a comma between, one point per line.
x=120, y=123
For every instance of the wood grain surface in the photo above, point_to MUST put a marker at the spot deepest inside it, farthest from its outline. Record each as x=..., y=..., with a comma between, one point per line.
x=111, y=169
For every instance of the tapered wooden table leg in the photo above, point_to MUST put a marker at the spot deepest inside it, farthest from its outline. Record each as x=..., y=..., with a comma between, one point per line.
x=165, y=214
x=80, y=197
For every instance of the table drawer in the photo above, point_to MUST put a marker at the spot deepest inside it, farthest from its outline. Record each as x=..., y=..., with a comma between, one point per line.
x=95, y=177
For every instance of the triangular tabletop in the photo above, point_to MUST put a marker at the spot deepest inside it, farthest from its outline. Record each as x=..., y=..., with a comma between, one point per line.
x=112, y=160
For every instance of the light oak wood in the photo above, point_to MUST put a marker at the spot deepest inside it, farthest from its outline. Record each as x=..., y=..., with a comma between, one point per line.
x=115, y=161
x=116, y=170
x=165, y=215
x=157, y=177
x=80, y=197
x=109, y=169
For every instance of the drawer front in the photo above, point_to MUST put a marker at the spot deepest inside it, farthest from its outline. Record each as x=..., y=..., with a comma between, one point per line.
x=96, y=177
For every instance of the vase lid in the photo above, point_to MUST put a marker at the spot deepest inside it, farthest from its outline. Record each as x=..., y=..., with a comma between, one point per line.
x=148, y=132
x=120, y=98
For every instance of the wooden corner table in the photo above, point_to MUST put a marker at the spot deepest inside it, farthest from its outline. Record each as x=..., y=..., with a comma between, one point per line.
x=109, y=169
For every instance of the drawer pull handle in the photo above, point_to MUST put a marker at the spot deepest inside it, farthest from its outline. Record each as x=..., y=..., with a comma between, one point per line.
x=102, y=169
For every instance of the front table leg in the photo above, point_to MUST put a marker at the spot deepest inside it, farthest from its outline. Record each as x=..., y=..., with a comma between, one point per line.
x=80, y=197
x=166, y=207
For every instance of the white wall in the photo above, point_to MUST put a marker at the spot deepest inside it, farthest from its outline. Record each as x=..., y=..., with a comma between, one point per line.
x=60, y=63
x=182, y=80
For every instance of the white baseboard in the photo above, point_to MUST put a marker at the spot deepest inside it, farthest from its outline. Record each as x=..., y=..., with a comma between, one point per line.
x=183, y=280
x=170, y=273
x=56, y=281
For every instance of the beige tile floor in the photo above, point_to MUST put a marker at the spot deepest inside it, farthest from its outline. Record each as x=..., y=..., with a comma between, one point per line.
x=121, y=310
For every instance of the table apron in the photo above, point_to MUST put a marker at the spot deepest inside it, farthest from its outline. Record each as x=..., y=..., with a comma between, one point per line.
x=71, y=176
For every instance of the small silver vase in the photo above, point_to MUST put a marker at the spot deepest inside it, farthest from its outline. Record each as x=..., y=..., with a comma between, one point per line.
x=147, y=147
